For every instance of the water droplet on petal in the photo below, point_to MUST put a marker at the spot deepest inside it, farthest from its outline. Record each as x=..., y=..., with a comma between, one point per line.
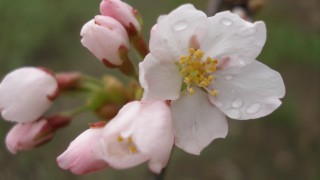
x=229, y=77
x=237, y=103
x=242, y=60
x=226, y=21
x=254, y=108
x=180, y=26
x=234, y=113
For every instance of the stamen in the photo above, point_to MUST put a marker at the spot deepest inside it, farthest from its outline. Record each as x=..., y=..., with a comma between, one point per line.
x=133, y=149
x=120, y=139
x=214, y=92
x=197, y=72
x=128, y=143
x=191, y=91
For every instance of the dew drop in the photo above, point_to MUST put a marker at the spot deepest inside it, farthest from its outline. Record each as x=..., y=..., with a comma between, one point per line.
x=226, y=22
x=254, y=108
x=180, y=26
x=241, y=61
x=237, y=103
x=234, y=113
x=229, y=77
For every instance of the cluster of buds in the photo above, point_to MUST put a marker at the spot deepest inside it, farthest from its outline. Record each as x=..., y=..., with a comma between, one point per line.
x=199, y=71
x=108, y=35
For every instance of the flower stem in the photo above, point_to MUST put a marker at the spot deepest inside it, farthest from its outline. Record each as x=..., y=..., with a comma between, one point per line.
x=75, y=112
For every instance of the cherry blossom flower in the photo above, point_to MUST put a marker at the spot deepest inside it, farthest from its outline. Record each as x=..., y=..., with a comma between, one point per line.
x=123, y=13
x=80, y=158
x=106, y=38
x=207, y=67
x=26, y=93
x=142, y=131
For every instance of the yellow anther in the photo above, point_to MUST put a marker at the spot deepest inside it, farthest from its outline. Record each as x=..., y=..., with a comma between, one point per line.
x=133, y=149
x=212, y=69
x=192, y=51
x=120, y=139
x=191, y=91
x=196, y=71
x=198, y=54
x=203, y=84
x=214, y=92
x=183, y=60
x=209, y=60
x=187, y=80
x=210, y=78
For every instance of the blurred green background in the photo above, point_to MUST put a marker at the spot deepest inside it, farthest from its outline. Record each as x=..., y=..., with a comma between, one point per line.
x=282, y=146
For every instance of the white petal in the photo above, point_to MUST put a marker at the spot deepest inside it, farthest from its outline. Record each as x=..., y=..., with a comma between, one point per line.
x=175, y=32
x=248, y=92
x=160, y=80
x=24, y=94
x=197, y=122
x=230, y=36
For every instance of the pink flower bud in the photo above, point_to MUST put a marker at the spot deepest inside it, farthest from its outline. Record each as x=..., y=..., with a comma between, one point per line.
x=25, y=136
x=79, y=158
x=106, y=38
x=123, y=13
x=26, y=93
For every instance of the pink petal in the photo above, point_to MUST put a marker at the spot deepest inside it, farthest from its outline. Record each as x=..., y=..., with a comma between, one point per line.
x=150, y=124
x=21, y=136
x=104, y=36
x=80, y=158
x=120, y=11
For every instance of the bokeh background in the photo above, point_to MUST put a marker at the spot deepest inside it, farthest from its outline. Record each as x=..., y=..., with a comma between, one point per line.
x=282, y=146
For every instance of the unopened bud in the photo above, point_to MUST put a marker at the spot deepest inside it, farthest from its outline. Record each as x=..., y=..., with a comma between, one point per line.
x=25, y=136
x=124, y=13
x=26, y=93
x=105, y=37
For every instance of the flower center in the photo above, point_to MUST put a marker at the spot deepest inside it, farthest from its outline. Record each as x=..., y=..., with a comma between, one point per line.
x=128, y=143
x=197, y=72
